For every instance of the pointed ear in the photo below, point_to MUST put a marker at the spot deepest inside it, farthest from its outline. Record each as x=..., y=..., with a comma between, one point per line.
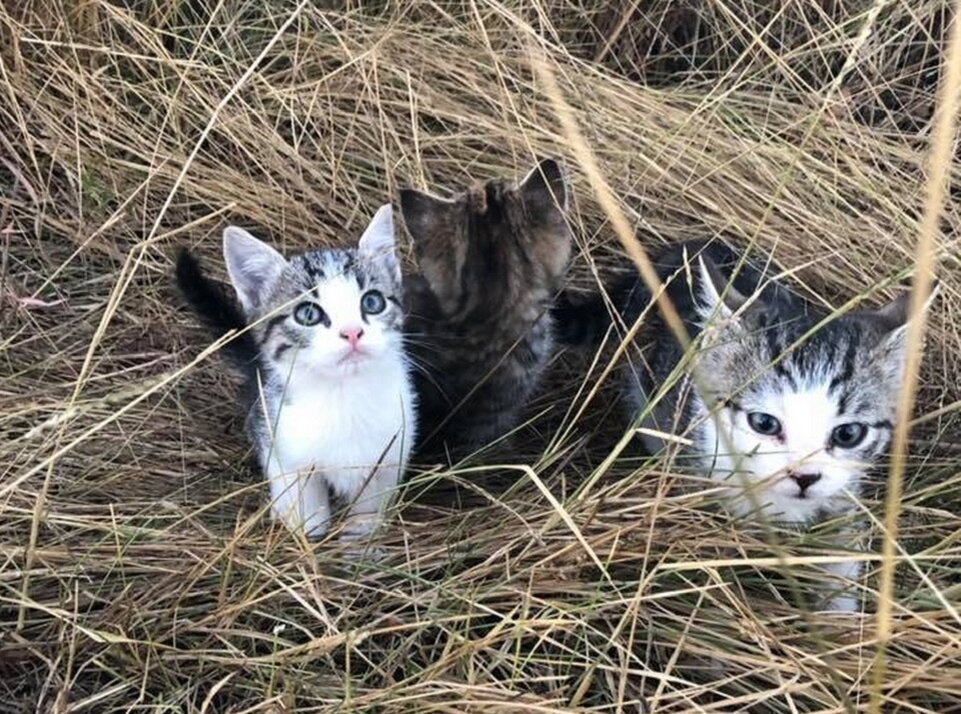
x=253, y=267
x=426, y=216
x=897, y=312
x=377, y=243
x=718, y=297
x=438, y=229
x=895, y=316
x=544, y=189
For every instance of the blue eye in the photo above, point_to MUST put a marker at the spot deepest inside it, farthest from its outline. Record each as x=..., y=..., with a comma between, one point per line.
x=847, y=436
x=373, y=302
x=309, y=314
x=765, y=424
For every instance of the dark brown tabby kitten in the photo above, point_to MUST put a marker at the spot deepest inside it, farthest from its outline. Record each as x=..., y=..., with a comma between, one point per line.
x=492, y=258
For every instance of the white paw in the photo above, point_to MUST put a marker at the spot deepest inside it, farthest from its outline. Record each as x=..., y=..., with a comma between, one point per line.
x=359, y=527
x=844, y=604
x=361, y=550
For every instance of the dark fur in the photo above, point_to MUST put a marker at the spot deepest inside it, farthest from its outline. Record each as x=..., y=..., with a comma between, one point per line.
x=491, y=259
x=218, y=310
x=776, y=321
x=584, y=320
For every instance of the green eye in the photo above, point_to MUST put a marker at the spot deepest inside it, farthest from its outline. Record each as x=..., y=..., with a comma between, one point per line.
x=373, y=302
x=847, y=436
x=309, y=314
x=766, y=424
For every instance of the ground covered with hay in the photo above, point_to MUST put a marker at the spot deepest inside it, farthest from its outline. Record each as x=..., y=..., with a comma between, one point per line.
x=139, y=572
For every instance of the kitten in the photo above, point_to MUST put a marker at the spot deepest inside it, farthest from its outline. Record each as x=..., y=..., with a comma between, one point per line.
x=799, y=419
x=492, y=259
x=329, y=399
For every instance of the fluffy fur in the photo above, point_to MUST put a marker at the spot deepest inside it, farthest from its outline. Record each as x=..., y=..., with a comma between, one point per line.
x=491, y=258
x=801, y=410
x=330, y=403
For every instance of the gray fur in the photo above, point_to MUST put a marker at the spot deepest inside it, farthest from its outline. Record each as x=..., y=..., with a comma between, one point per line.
x=758, y=352
x=492, y=259
x=330, y=404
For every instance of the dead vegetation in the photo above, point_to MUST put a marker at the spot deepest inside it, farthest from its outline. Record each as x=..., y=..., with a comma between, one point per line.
x=138, y=570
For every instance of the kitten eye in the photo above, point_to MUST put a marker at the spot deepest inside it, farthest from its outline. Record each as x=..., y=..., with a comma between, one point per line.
x=847, y=436
x=308, y=314
x=373, y=302
x=765, y=424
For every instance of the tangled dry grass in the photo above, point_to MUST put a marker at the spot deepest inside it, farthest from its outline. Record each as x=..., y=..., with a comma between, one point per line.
x=137, y=570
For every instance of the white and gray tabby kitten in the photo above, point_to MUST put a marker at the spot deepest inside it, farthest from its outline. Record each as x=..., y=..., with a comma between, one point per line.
x=330, y=401
x=799, y=418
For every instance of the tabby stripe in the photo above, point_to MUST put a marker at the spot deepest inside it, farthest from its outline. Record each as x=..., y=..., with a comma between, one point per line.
x=733, y=405
x=847, y=368
x=271, y=324
x=777, y=353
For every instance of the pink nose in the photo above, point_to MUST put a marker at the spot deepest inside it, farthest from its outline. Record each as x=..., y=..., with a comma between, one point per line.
x=352, y=335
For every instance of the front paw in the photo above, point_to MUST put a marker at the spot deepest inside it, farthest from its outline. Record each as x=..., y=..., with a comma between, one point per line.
x=356, y=539
x=359, y=527
x=843, y=604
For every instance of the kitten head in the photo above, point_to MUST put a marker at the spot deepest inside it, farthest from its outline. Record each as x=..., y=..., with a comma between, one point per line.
x=497, y=244
x=332, y=312
x=805, y=415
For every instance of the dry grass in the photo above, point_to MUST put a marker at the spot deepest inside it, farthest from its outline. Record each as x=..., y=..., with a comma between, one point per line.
x=138, y=572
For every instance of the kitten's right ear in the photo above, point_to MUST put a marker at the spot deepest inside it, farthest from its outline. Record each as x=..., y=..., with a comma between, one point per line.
x=718, y=296
x=253, y=266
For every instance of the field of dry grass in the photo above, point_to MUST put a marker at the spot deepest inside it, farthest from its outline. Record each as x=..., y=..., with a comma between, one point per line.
x=138, y=571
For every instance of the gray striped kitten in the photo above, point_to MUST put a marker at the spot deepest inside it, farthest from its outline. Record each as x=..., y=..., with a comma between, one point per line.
x=492, y=259
x=801, y=410
x=330, y=402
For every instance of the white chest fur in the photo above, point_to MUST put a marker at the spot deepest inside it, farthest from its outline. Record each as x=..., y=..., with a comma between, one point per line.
x=352, y=434
x=344, y=428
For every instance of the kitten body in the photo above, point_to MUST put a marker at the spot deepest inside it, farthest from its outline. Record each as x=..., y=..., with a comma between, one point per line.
x=330, y=405
x=789, y=413
x=492, y=258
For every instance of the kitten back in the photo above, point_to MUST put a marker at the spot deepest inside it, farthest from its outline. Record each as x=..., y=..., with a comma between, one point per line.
x=491, y=258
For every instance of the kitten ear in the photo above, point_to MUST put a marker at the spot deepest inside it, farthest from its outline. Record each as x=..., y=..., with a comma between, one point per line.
x=377, y=243
x=897, y=312
x=543, y=196
x=253, y=266
x=718, y=297
x=895, y=317
x=544, y=189
x=436, y=227
x=426, y=216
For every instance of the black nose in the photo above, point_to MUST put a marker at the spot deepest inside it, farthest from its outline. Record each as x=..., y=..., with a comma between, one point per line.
x=804, y=481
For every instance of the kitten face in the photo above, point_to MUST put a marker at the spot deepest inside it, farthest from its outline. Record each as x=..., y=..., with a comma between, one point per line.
x=493, y=244
x=329, y=312
x=804, y=431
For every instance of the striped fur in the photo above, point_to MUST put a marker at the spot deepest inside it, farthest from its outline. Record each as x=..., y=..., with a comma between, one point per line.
x=491, y=259
x=760, y=353
x=330, y=406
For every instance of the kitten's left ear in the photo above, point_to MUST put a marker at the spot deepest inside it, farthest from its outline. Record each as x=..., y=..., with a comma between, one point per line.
x=895, y=316
x=377, y=243
x=544, y=189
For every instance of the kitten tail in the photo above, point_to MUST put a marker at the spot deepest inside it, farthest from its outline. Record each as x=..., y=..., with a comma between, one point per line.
x=582, y=321
x=217, y=310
